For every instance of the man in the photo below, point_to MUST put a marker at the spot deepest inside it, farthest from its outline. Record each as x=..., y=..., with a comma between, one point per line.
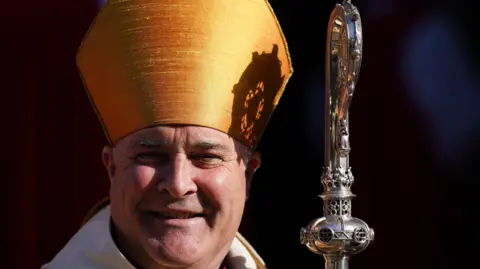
x=184, y=90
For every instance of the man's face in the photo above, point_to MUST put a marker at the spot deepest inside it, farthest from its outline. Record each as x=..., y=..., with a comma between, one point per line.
x=178, y=194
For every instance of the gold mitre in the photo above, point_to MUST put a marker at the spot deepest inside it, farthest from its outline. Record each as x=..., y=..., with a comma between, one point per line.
x=221, y=64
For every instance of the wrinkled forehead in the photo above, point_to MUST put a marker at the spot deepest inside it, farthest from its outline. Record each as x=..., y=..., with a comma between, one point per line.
x=168, y=136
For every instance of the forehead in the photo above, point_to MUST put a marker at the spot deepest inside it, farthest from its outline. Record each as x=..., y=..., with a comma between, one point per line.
x=179, y=135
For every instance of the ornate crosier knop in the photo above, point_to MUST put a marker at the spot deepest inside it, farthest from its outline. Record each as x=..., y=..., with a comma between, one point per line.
x=337, y=235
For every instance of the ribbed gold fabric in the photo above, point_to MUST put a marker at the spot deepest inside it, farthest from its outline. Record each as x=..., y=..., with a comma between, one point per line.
x=217, y=63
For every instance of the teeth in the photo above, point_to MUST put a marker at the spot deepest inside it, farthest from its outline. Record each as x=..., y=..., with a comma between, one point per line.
x=177, y=215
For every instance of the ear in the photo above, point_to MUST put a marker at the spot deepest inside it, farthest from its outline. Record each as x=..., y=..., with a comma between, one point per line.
x=253, y=164
x=108, y=161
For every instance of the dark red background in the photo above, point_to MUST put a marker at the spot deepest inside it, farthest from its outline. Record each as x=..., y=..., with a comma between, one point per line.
x=51, y=141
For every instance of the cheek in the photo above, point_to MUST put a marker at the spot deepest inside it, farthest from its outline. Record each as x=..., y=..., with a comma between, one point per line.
x=132, y=182
x=225, y=189
x=140, y=176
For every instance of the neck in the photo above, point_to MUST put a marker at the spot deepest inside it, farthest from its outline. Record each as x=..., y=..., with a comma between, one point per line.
x=141, y=260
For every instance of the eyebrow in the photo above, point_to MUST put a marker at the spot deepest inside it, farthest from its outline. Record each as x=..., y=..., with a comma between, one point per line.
x=208, y=145
x=151, y=143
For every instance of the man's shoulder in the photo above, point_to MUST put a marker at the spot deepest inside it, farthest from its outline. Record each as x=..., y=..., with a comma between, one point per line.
x=249, y=258
x=90, y=237
x=92, y=247
x=101, y=205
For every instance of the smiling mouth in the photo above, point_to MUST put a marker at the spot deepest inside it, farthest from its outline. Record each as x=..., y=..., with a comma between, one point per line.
x=174, y=215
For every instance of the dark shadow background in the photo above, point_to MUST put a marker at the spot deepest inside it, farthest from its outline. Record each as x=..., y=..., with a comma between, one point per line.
x=414, y=135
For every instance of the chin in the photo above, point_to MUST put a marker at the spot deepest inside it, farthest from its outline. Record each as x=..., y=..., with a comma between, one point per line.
x=175, y=253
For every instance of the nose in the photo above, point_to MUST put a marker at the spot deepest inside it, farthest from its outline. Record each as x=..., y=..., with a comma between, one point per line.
x=178, y=180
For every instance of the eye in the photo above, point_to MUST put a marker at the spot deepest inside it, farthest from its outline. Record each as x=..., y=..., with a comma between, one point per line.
x=151, y=158
x=206, y=159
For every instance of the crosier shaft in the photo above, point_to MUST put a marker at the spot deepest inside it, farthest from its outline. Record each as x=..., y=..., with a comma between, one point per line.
x=337, y=235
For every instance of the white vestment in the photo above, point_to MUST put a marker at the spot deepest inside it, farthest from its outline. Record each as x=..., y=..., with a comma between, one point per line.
x=92, y=247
